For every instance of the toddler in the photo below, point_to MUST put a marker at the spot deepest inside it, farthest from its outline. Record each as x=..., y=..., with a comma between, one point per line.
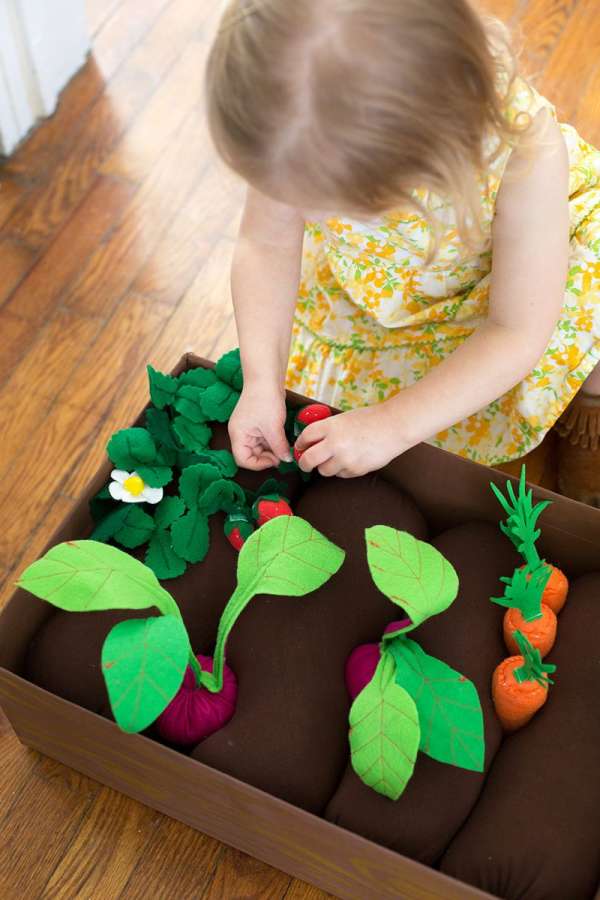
x=420, y=245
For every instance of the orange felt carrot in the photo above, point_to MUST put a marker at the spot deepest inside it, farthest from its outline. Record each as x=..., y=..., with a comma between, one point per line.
x=540, y=632
x=520, y=685
x=556, y=590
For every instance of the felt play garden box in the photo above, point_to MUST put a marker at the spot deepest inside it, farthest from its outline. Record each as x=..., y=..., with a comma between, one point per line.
x=386, y=686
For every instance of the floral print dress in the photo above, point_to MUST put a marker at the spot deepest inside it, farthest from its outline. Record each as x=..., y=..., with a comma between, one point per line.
x=372, y=317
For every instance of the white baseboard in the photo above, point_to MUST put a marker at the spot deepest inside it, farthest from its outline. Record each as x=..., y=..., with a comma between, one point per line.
x=42, y=45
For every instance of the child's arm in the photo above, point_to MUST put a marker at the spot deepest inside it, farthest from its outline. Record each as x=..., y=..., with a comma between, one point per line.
x=264, y=283
x=530, y=261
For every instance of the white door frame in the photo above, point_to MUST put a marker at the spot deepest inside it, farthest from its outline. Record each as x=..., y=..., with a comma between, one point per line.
x=42, y=44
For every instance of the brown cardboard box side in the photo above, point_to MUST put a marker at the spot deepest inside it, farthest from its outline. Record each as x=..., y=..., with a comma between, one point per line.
x=448, y=490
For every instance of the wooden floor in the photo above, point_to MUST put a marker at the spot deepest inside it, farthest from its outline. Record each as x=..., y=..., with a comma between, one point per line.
x=116, y=231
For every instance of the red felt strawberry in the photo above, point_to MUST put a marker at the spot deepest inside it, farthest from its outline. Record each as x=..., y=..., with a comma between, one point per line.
x=238, y=528
x=313, y=412
x=298, y=454
x=269, y=507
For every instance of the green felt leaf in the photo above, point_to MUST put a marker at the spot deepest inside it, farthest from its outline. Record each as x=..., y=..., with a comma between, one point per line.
x=131, y=448
x=168, y=511
x=110, y=524
x=221, y=495
x=191, y=536
x=155, y=476
x=533, y=669
x=143, y=663
x=229, y=369
x=163, y=388
x=522, y=516
x=412, y=573
x=273, y=486
x=285, y=556
x=198, y=377
x=384, y=733
x=450, y=715
x=189, y=403
x=158, y=424
x=161, y=557
x=135, y=529
x=84, y=576
x=193, y=436
x=219, y=401
x=222, y=459
x=194, y=480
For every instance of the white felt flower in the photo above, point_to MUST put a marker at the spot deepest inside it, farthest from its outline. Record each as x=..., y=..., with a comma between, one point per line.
x=130, y=488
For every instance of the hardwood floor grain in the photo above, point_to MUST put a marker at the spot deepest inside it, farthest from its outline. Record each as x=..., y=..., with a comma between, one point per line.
x=117, y=228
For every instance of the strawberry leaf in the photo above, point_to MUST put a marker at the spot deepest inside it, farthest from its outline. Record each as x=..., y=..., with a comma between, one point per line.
x=191, y=536
x=163, y=388
x=161, y=557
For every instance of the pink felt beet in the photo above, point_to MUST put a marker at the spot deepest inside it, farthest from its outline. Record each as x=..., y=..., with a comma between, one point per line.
x=195, y=713
x=362, y=662
x=360, y=668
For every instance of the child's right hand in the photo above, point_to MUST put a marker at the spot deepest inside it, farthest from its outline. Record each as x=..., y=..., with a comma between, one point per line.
x=256, y=428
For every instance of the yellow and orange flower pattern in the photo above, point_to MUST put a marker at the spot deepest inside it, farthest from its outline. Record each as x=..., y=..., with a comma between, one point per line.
x=373, y=316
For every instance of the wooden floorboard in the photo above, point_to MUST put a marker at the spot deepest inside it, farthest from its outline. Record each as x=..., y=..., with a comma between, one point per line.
x=117, y=228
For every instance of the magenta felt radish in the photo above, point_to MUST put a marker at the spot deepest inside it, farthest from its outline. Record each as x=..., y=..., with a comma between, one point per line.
x=360, y=668
x=195, y=712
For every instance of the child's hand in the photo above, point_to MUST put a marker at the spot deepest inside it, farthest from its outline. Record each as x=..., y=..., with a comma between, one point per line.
x=256, y=428
x=352, y=443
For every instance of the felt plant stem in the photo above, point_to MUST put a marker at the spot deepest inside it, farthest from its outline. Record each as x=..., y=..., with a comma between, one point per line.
x=286, y=556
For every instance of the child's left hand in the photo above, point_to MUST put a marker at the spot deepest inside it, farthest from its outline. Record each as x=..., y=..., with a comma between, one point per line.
x=352, y=443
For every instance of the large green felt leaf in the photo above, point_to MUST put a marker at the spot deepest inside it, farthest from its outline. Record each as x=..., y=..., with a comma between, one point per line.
x=161, y=556
x=84, y=576
x=410, y=572
x=162, y=388
x=158, y=424
x=193, y=436
x=191, y=536
x=135, y=529
x=189, y=403
x=199, y=377
x=130, y=448
x=384, y=733
x=168, y=511
x=287, y=556
x=450, y=715
x=221, y=495
x=229, y=369
x=194, y=480
x=222, y=459
x=219, y=401
x=143, y=663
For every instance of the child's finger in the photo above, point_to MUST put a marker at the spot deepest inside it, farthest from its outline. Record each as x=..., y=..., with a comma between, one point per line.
x=314, y=432
x=315, y=456
x=278, y=444
x=330, y=468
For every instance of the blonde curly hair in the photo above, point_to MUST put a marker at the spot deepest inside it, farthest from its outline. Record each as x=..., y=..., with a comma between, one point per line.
x=356, y=103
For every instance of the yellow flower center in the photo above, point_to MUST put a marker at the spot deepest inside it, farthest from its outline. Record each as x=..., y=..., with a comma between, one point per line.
x=134, y=485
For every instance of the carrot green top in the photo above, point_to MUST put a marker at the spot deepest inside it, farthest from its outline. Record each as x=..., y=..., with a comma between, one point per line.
x=533, y=669
x=524, y=590
x=522, y=516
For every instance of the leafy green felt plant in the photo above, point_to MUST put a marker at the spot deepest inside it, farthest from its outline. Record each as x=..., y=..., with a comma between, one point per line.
x=521, y=520
x=144, y=661
x=174, y=447
x=413, y=701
